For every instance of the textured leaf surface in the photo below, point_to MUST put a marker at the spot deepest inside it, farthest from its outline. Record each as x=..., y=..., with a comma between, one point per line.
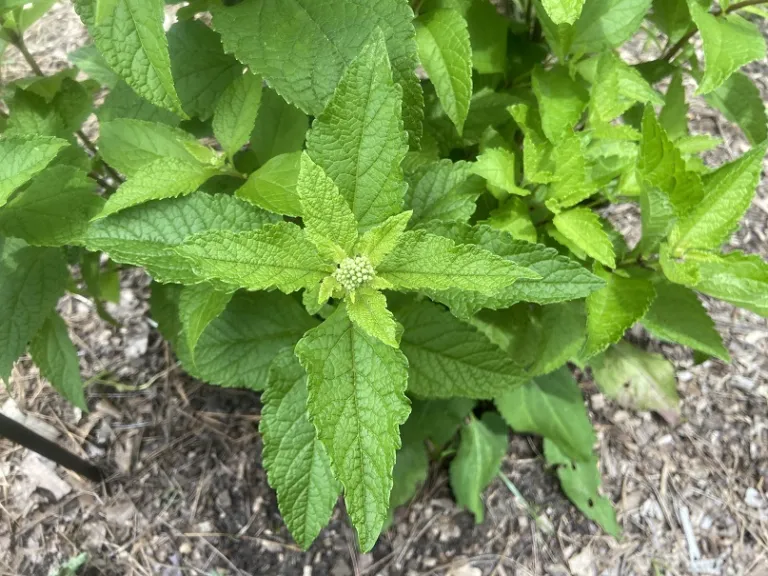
x=201, y=71
x=31, y=282
x=729, y=41
x=537, y=150
x=369, y=312
x=237, y=348
x=446, y=54
x=436, y=420
x=729, y=194
x=514, y=217
x=53, y=352
x=551, y=406
x=274, y=256
x=662, y=165
x=637, y=379
x=123, y=102
x=497, y=166
x=582, y=227
x=478, y=460
x=132, y=40
x=448, y=357
x=198, y=306
x=273, y=186
x=297, y=464
x=561, y=278
x=325, y=212
x=443, y=190
x=161, y=178
x=563, y=11
x=21, y=157
x=674, y=116
x=612, y=310
x=410, y=472
x=607, y=23
x=235, y=113
x=357, y=402
x=561, y=100
x=572, y=180
x=260, y=34
x=382, y=239
x=146, y=235
x=280, y=127
x=89, y=60
x=358, y=140
x=426, y=261
x=677, y=315
x=741, y=102
x=580, y=482
x=128, y=144
x=488, y=37
x=672, y=17
x=53, y=210
x=657, y=218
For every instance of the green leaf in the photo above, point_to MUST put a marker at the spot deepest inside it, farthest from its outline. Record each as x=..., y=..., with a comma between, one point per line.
x=147, y=234
x=21, y=157
x=382, y=238
x=741, y=102
x=612, y=310
x=53, y=352
x=729, y=41
x=561, y=100
x=235, y=113
x=580, y=482
x=410, y=472
x=132, y=41
x=559, y=36
x=497, y=166
x=741, y=279
x=162, y=178
x=539, y=338
x=262, y=34
x=274, y=256
x=201, y=71
x=123, y=102
x=551, y=406
x=435, y=420
x=237, y=348
x=514, y=217
x=561, y=278
x=31, y=282
x=443, y=190
x=672, y=18
x=357, y=402
x=297, y=465
x=53, y=210
x=677, y=315
x=637, y=379
x=572, y=180
x=607, y=23
x=129, y=144
x=537, y=150
x=446, y=54
x=657, y=217
x=662, y=166
x=582, y=227
x=280, y=128
x=563, y=11
x=448, y=357
x=488, y=37
x=673, y=118
x=89, y=60
x=369, y=312
x=198, y=306
x=358, y=140
x=730, y=190
x=325, y=212
x=273, y=186
x=478, y=460
x=425, y=261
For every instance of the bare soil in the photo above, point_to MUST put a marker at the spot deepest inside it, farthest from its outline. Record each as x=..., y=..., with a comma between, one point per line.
x=187, y=493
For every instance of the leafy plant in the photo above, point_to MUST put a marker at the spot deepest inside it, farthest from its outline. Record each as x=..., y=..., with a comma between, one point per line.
x=388, y=256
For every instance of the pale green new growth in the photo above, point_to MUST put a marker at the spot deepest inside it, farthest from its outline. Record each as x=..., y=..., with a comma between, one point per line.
x=273, y=185
x=21, y=157
x=582, y=227
x=356, y=402
x=198, y=306
x=497, y=166
x=563, y=11
x=382, y=239
x=368, y=310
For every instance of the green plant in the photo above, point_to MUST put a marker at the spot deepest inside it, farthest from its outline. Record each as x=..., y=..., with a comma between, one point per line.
x=384, y=255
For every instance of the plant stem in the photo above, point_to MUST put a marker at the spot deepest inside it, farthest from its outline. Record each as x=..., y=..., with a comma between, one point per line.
x=103, y=183
x=680, y=44
x=18, y=41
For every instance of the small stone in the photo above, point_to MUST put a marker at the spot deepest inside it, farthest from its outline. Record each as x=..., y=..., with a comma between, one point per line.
x=223, y=500
x=742, y=383
x=598, y=401
x=185, y=548
x=753, y=498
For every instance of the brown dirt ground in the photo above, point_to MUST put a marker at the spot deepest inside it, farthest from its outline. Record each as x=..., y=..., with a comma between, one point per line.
x=188, y=495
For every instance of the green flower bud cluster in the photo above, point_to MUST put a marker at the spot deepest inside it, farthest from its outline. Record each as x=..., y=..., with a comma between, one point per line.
x=354, y=272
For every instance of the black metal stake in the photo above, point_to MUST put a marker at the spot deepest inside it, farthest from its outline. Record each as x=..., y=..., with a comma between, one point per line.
x=22, y=435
